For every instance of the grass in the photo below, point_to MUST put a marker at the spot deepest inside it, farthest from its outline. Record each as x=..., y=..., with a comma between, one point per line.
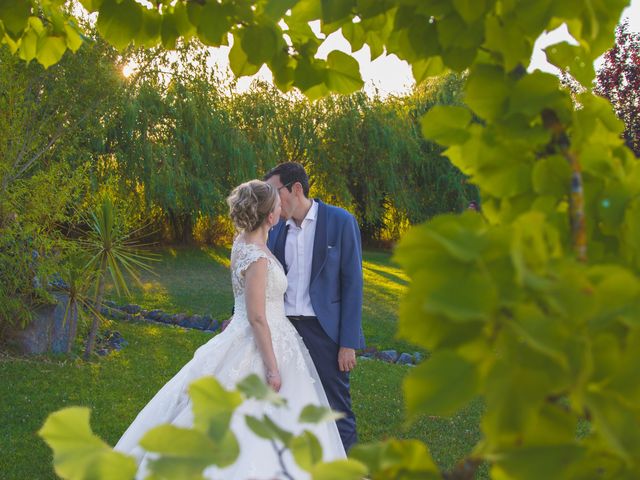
x=197, y=280
x=186, y=280
x=118, y=386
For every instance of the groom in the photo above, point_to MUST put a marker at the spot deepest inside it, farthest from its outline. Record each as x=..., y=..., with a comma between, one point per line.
x=319, y=247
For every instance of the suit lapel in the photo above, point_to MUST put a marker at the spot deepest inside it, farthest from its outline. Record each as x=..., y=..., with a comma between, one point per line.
x=278, y=249
x=320, y=241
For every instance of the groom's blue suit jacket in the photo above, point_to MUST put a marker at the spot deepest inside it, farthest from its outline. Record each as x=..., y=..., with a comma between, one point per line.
x=336, y=273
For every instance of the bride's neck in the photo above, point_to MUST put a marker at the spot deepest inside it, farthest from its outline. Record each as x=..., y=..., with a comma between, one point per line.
x=258, y=236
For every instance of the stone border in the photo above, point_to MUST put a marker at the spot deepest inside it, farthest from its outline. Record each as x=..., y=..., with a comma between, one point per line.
x=391, y=356
x=209, y=324
x=205, y=323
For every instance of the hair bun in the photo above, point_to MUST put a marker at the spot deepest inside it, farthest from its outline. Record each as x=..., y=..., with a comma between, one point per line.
x=250, y=203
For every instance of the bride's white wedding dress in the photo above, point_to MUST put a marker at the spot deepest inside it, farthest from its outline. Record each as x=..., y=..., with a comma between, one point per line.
x=230, y=357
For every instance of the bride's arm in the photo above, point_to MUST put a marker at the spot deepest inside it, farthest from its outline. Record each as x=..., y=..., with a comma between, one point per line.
x=255, y=296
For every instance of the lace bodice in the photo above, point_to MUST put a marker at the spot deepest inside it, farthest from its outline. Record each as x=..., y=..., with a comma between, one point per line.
x=242, y=256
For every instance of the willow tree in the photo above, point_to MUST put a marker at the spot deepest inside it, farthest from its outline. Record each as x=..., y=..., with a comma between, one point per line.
x=536, y=304
x=281, y=127
x=177, y=140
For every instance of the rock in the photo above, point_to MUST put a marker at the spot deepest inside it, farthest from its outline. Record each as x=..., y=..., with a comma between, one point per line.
x=199, y=322
x=214, y=325
x=417, y=357
x=132, y=309
x=364, y=357
x=47, y=332
x=155, y=315
x=117, y=314
x=368, y=355
x=179, y=319
x=388, y=356
x=165, y=318
x=405, y=359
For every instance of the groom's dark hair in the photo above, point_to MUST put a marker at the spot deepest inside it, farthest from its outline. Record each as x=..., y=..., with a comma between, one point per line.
x=290, y=173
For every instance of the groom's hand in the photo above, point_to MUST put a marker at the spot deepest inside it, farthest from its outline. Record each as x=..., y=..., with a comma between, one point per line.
x=346, y=359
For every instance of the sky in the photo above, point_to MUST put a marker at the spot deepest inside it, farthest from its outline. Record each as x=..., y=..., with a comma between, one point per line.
x=388, y=75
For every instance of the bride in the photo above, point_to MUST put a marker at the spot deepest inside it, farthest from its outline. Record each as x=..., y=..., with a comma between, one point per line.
x=261, y=340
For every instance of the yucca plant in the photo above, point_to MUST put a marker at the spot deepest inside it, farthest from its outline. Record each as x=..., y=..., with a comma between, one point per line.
x=75, y=281
x=112, y=251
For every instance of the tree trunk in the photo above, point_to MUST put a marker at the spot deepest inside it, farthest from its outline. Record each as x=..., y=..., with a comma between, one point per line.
x=73, y=325
x=91, y=340
x=187, y=229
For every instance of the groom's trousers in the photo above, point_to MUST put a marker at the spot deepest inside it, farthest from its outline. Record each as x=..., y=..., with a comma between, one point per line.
x=324, y=353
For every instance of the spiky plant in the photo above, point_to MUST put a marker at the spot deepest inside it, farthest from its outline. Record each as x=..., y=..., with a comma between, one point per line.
x=112, y=251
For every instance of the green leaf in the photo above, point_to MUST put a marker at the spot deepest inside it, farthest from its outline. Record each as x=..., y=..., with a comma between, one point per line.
x=574, y=59
x=212, y=406
x=238, y=61
x=552, y=176
x=15, y=16
x=50, y=50
x=317, y=414
x=506, y=38
x=537, y=91
x=29, y=45
x=149, y=33
x=169, y=31
x=355, y=35
x=425, y=69
x=283, y=69
x=177, y=442
x=617, y=293
x=536, y=462
x=259, y=43
x=306, y=450
x=470, y=10
x=74, y=40
x=343, y=75
x=78, y=453
x=253, y=387
x=540, y=332
x=336, y=10
x=185, y=453
x=275, y=9
x=372, y=8
x=306, y=10
x=423, y=37
x=91, y=5
x=185, y=28
x=441, y=385
x=515, y=389
x=310, y=73
x=339, y=470
x=119, y=22
x=268, y=429
x=397, y=459
x=446, y=125
x=215, y=22
x=487, y=91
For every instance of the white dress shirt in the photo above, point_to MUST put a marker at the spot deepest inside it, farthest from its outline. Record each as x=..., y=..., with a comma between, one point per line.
x=298, y=253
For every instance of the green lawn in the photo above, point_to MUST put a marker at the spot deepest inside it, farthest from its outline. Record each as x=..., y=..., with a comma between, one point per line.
x=197, y=280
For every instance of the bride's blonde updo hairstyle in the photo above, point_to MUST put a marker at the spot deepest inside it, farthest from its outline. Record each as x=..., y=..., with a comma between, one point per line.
x=250, y=203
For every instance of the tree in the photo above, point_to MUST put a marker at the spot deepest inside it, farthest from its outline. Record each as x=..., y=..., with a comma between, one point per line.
x=43, y=111
x=618, y=80
x=176, y=139
x=546, y=324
